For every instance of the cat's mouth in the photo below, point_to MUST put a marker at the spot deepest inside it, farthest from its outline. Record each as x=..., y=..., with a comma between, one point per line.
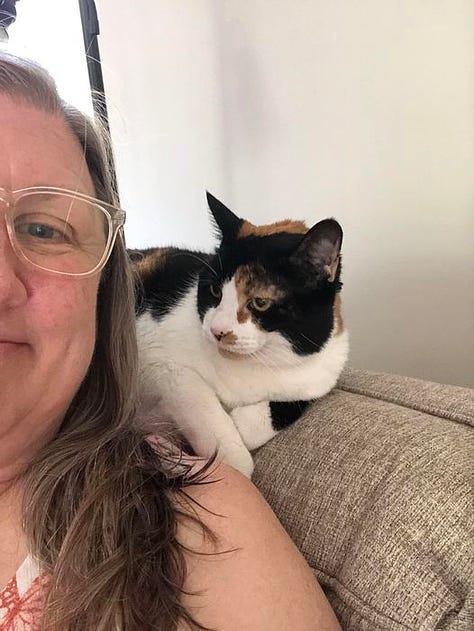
x=230, y=346
x=230, y=353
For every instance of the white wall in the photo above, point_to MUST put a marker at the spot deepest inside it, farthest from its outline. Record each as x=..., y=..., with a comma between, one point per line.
x=164, y=101
x=358, y=110
x=50, y=32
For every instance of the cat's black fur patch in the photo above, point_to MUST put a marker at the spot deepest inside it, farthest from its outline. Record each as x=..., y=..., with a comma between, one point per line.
x=285, y=413
x=160, y=291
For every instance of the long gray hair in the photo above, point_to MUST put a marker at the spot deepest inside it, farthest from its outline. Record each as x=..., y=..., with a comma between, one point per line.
x=100, y=508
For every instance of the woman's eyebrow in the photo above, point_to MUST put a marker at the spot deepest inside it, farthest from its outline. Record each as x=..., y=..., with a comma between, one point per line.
x=47, y=194
x=47, y=185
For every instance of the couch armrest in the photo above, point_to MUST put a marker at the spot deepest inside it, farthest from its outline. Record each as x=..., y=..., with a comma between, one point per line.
x=375, y=486
x=450, y=402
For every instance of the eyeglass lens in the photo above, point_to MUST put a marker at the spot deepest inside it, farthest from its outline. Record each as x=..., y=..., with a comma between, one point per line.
x=59, y=232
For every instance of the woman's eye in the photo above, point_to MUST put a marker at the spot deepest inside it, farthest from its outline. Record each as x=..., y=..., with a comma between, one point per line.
x=215, y=291
x=261, y=304
x=40, y=231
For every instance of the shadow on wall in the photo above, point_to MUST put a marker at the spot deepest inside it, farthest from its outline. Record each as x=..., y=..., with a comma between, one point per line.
x=405, y=339
x=248, y=128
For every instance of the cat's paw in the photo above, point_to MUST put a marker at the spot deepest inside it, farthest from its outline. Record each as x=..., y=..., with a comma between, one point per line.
x=254, y=423
x=240, y=459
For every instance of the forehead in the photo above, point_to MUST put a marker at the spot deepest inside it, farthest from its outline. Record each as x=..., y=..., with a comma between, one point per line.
x=38, y=148
x=250, y=280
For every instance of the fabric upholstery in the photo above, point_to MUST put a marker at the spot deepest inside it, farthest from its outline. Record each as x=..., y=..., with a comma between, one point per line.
x=375, y=484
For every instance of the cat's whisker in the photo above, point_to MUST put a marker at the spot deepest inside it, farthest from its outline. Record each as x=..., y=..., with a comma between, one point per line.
x=161, y=300
x=317, y=346
x=264, y=357
x=259, y=358
x=198, y=258
x=280, y=357
x=272, y=354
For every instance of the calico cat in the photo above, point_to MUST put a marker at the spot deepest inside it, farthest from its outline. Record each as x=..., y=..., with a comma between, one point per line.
x=234, y=345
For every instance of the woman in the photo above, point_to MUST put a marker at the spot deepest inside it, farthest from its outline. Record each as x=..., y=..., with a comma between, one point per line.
x=98, y=530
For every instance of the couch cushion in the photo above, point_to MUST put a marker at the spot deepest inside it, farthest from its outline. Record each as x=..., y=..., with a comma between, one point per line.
x=378, y=495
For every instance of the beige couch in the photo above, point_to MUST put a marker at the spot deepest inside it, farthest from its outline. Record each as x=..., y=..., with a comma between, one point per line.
x=375, y=486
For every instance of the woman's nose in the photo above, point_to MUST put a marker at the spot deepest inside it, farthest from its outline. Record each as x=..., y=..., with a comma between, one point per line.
x=13, y=292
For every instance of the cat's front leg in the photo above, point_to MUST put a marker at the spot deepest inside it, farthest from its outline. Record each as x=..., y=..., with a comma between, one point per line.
x=260, y=422
x=200, y=417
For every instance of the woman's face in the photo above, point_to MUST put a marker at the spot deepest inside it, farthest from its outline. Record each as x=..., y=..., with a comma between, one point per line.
x=47, y=321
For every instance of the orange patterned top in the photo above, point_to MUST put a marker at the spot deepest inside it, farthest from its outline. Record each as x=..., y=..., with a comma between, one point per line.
x=21, y=601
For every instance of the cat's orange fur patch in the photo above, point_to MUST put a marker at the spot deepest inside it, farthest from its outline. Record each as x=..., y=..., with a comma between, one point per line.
x=332, y=268
x=338, y=321
x=249, y=286
x=242, y=281
x=150, y=263
x=286, y=225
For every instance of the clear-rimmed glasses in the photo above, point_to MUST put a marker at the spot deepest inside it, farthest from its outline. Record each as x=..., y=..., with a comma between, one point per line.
x=59, y=230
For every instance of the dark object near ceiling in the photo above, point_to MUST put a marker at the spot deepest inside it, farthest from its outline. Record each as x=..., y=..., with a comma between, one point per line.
x=7, y=12
x=7, y=17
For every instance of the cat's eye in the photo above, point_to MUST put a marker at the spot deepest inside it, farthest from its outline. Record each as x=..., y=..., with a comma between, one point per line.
x=261, y=304
x=215, y=291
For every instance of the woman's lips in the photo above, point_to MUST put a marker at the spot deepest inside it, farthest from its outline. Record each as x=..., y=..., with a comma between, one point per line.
x=7, y=347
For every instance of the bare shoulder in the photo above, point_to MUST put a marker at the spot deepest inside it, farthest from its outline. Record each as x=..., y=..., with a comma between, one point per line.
x=258, y=579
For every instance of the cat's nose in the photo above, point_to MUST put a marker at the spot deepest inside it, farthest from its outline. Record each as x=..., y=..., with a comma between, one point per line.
x=218, y=333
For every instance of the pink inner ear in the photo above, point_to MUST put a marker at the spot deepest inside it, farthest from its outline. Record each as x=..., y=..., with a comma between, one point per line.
x=332, y=269
x=321, y=246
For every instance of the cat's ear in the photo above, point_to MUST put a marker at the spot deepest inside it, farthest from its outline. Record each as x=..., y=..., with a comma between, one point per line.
x=225, y=220
x=320, y=249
